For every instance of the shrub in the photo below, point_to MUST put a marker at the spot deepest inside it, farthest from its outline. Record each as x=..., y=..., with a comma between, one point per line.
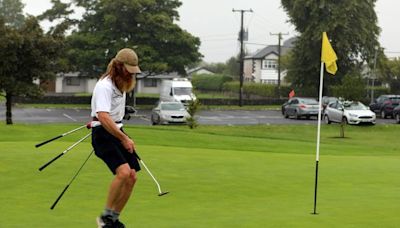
x=257, y=89
x=352, y=87
x=192, y=109
x=207, y=82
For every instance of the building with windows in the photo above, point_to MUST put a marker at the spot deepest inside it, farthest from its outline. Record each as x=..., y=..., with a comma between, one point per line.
x=262, y=66
x=152, y=84
x=71, y=82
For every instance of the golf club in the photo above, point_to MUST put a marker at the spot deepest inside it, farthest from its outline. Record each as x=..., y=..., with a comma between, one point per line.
x=65, y=151
x=160, y=193
x=66, y=187
x=62, y=135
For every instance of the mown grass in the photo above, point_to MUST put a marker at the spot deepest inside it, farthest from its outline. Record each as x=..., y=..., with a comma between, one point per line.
x=218, y=176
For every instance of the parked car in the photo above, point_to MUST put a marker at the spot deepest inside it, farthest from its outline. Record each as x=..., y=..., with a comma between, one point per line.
x=299, y=107
x=352, y=112
x=326, y=100
x=284, y=106
x=396, y=114
x=169, y=112
x=129, y=111
x=384, y=105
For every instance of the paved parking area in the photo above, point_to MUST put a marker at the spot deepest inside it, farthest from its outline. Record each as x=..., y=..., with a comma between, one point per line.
x=215, y=117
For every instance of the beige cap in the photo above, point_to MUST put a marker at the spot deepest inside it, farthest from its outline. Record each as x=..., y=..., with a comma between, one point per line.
x=130, y=60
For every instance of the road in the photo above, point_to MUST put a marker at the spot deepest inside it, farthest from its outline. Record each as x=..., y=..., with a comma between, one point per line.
x=226, y=117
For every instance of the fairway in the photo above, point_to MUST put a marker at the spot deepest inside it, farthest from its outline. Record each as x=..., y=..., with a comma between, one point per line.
x=217, y=176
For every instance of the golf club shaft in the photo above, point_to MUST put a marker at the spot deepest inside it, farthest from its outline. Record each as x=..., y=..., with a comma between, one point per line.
x=65, y=151
x=59, y=197
x=148, y=171
x=57, y=137
x=66, y=187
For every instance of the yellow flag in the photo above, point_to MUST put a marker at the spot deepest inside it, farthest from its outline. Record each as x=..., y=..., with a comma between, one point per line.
x=328, y=55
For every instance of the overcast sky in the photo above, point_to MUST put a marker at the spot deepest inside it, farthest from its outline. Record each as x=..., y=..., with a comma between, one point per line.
x=217, y=26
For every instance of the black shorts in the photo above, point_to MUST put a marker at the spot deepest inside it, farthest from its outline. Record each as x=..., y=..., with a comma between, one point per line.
x=111, y=151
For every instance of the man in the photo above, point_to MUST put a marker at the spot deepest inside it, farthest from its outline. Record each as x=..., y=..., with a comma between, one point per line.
x=109, y=141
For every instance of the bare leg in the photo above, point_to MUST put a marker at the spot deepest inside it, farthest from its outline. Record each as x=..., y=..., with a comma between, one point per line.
x=122, y=177
x=126, y=192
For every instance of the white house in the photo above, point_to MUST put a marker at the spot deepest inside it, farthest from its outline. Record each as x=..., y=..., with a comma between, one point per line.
x=72, y=82
x=198, y=70
x=262, y=66
x=152, y=84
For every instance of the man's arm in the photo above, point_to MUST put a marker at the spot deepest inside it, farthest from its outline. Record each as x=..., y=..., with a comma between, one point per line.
x=111, y=127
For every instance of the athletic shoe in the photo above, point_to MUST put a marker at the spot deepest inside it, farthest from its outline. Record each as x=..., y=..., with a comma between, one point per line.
x=118, y=224
x=105, y=221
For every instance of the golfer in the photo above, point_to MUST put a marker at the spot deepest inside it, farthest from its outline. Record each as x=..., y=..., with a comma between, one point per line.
x=109, y=141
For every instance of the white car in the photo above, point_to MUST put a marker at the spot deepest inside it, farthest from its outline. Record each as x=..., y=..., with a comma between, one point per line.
x=348, y=112
x=169, y=112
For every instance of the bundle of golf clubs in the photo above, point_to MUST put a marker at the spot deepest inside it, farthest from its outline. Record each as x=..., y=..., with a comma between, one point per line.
x=88, y=126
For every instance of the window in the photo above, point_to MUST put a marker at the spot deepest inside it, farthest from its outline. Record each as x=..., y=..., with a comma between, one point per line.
x=150, y=82
x=73, y=81
x=270, y=64
x=269, y=81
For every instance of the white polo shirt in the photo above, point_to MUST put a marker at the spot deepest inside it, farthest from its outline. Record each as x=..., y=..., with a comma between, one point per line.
x=106, y=97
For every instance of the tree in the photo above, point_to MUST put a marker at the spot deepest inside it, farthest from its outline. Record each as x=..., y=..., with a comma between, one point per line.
x=352, y=27
x=232, y=67
x=26, y=54
x=351, y=88
x=11, y=12
x=390, y=73
x=60, y=12
x=229, y=68
x=144, y=25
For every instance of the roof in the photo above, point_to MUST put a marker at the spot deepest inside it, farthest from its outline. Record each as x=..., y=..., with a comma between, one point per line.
x=194, y=70
x=170, y=75
x=273, y=49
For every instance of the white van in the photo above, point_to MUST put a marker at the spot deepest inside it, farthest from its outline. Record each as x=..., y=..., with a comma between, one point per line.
x=177, y=89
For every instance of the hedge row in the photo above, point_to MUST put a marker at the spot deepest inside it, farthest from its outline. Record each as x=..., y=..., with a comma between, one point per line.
x=256, y=89
x=205, y=82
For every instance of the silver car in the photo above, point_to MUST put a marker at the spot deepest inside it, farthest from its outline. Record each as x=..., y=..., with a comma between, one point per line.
x=349, y=113
x=171, y=112
x=299, y=107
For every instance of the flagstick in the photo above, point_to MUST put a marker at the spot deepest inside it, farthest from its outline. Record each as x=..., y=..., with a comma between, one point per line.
x=321, y=82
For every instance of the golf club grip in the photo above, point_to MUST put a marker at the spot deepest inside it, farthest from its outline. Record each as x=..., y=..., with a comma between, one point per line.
x=59, y=197
x=136, y=155
x=48, y=163
x=45, y=142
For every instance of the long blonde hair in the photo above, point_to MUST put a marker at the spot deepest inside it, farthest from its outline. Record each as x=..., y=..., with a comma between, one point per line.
x=124, y=81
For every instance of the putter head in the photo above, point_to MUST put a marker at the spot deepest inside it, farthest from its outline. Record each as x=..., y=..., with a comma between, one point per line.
x=163, y=193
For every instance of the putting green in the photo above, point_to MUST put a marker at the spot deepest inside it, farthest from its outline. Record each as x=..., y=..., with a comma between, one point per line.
x=248, y=176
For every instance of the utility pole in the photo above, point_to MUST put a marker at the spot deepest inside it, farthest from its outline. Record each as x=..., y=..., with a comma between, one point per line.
x=374, y=76
x=279, y=59
x=241, y=55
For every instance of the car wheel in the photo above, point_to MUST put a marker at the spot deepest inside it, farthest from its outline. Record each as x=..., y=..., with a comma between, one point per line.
x=153, y=122
x=397, y=117
x=383, y=114
x=296, y=115
x=285, y=114
x=327, y=121
x=344, y=121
